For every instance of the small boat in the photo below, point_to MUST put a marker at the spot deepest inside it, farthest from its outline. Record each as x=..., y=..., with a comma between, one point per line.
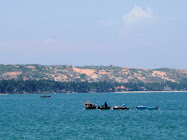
x=141, y=107
x=104, y=106
x=152, y=108
x=123, y=107
x=45, y=96
x=89, y=105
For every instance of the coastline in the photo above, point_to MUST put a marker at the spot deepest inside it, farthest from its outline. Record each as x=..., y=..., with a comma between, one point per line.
x=105, y=92
x=150, y=91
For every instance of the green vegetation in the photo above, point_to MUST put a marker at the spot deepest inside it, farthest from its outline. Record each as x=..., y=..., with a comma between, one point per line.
x=66, y=73
x=47, y=86
x=7, y=68
x=82, y=76
x=36, y=78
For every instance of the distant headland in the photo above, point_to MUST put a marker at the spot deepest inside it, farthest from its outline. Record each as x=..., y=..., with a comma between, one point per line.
x=64, y=78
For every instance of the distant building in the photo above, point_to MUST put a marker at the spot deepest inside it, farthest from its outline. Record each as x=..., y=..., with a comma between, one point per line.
x=167, y=88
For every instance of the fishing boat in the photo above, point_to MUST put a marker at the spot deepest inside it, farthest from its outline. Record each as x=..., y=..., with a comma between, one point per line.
x=45, y=96
x=141, y=107
x=104, y=106
x=88, y=105
x=122, y=107
x=152, y=108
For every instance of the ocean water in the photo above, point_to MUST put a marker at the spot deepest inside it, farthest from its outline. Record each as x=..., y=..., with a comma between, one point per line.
x=63, y=117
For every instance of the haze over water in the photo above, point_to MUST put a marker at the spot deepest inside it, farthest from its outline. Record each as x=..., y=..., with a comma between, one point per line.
x=63, y=117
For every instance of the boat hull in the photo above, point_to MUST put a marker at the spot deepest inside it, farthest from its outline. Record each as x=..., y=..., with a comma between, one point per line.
x=44, y=96
x=152, y=108
x=90, y=107
x=141, y=107
x=103, y=108
x=120, y=108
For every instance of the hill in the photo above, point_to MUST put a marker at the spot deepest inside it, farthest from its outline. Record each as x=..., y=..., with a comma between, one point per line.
x=66, y=73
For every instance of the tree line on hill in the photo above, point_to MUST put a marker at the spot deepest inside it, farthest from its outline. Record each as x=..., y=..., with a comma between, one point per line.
x=48, y=86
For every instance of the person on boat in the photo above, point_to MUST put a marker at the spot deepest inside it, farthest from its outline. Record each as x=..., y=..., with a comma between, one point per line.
x=123, y=106
x=105, y=104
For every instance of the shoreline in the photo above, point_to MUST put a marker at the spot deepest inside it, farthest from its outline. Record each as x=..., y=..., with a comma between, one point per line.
x=104, y=92
x=149, y=91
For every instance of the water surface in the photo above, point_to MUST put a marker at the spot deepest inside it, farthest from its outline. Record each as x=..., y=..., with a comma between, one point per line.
x=63, y=117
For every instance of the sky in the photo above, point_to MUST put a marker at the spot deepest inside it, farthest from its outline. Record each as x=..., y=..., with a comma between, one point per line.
x=130, y=33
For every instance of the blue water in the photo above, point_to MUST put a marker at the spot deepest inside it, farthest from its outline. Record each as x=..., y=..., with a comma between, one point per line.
x=63, y=117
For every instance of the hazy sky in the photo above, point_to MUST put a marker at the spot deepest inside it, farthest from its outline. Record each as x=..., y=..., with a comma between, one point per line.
x=130, y=33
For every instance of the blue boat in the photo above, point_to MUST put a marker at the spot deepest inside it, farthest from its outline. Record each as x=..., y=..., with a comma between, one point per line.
x=141, y=107
x=152, y=108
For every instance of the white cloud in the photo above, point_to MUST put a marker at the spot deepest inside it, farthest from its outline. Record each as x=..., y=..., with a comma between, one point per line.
x=136, y=31
x=137, y=14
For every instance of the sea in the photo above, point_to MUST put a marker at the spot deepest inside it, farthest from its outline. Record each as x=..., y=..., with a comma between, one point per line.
x=63, y=117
